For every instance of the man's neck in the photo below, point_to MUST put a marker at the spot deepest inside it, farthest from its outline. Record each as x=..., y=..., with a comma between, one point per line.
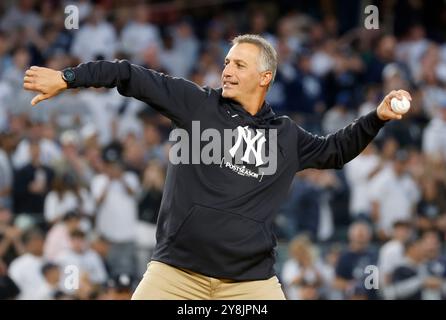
x=253, y=105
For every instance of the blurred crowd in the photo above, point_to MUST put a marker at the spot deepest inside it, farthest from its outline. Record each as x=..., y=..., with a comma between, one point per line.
x=82, y=175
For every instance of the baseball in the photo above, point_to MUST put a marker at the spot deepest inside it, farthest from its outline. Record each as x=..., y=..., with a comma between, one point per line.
x=400, y=106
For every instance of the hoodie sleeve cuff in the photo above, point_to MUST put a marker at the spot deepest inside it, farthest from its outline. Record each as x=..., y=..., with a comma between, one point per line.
x=372, y=116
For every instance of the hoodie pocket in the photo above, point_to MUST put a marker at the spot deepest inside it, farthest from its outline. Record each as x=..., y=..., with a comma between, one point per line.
x=224, y=244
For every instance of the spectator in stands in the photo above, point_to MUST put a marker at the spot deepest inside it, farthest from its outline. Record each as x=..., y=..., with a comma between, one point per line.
x=359, y=173
x=58, y=237
x=50, y=287
x=149, y=202
x=98, y=31
x=435, y=264
x=119, y=288
x=101, y=246
x=8, y=289
x=392, y=252
x=6, y=176
x=180, y=49
x=11, y=245
x=432, y=204
x=86, y=260
x=308, y=93
x=65, y=196
x=328, y=271
x=116, y=216
x=71, y=160
x=5, y=57
x=434, y=143
x=409, y=280
x=14, y=98
x=48, y=150
x=31, y=185
x=26, y=270
x=350, y=269
x=300, y=275
x=384, y=53
x=139, y=33
x=394, y=195
x=302, y=207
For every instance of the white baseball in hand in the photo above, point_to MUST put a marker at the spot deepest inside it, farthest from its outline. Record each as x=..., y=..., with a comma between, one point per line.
x=400, y=106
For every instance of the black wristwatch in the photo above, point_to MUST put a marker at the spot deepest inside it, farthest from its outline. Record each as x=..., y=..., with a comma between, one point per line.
x=69, y=76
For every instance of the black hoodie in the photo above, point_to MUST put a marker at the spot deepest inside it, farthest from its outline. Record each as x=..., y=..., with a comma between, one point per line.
x=217, y=219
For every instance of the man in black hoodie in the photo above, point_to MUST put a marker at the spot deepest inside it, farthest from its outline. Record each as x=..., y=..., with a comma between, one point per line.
x=229, y=170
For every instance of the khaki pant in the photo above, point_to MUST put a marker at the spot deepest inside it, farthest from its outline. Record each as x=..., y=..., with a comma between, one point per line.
x=164, y=282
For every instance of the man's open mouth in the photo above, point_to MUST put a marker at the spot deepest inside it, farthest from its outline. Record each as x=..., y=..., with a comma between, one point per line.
x=228, y=84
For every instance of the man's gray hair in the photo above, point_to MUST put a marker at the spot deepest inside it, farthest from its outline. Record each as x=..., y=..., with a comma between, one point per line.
x=268, y=55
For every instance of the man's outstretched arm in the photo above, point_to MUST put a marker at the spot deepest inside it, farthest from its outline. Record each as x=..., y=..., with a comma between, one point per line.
x=176, y=98
x=336, y=149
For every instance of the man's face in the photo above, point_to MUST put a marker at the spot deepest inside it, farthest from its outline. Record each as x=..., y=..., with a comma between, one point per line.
x=241, y=76
x=78, y=244
x=114, y=170
x=53, y=276
x=403, y=232
x=35, y=245
x=360, y=235
x=431, y=245
x=400, y=167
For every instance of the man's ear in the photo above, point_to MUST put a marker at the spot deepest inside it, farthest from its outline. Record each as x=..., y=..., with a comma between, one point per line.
x=265, y=78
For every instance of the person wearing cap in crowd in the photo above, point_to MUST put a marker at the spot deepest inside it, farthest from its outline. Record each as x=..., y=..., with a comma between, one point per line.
x=71, y=161
x=394, y=195
x=115, y=193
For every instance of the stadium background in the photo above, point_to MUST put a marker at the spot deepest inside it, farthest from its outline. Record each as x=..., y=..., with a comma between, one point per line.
x=386, y=208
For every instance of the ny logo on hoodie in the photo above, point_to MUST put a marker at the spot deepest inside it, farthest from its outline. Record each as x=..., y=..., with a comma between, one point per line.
x=248, y=136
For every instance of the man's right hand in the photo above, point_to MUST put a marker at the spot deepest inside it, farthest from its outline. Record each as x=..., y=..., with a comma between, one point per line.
x=47, y=82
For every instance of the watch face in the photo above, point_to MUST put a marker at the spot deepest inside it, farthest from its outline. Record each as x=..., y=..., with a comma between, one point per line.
x=69, y=75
